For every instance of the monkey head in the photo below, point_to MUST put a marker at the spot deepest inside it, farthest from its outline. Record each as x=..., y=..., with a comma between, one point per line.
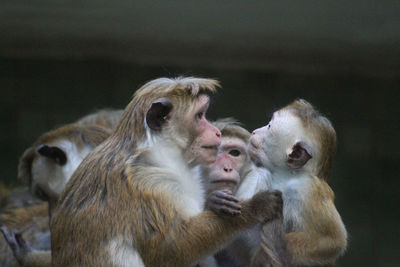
x=296, y=138
x=232, y=161
x=179, y=116
x=49, y=163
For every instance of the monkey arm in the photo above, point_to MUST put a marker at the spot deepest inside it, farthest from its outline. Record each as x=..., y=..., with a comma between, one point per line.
x=323, y=237
x=23, y=252
x=189, y=240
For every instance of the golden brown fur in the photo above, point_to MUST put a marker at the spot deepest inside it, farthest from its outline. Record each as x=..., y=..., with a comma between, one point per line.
x=78, y=134
x=121, y=203
x=314, y=232
x=322, y=130
x=105, y=118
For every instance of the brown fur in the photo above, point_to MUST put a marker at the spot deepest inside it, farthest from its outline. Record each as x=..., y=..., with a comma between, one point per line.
x=322, y=130
x=4, y=193
x=316, y=236
x=229, y=127
x=107, y=119
x=119, y=192
x=78, y=134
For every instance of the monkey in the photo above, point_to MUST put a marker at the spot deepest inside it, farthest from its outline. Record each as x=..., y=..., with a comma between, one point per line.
x=49, y=163
x=46, y=166
x=137, y=198
x=298, y=147
x=233, y=177
x=106, y=118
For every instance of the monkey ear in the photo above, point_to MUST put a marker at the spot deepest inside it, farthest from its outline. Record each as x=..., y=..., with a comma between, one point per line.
x=299, y=155
x=156, y=116
x=54, y=153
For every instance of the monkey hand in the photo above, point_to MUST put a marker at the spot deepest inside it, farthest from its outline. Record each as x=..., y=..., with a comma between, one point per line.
x=223, y=202
x=266, y=205
x=17, y=243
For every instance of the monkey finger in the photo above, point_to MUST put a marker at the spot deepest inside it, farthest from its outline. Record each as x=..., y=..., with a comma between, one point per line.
x=227, y=191
x=226, y=202
x=222, y=195
x=9, y=237
x=228, y=210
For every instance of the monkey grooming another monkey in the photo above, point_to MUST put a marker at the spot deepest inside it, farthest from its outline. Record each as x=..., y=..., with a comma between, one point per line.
x=298, y=146
x=137, y=199
x=233, y=177
x=46, y=167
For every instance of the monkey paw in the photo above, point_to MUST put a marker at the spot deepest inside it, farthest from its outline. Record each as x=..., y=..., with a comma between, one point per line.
x=223, y=202
x=17, y=243
x=267, y=205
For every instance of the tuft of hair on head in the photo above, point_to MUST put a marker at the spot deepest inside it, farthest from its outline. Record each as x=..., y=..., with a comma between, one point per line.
x=230, y=127
x=186, y=84
x=321, y=129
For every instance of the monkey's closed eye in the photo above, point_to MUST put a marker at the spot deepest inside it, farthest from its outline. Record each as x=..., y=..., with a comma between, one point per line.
x=199, y=115
x=234, y=152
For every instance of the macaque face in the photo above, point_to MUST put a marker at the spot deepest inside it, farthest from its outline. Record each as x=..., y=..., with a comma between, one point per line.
x=207, y=137
x=53, y=165
x=225, y=172
x=270, y=145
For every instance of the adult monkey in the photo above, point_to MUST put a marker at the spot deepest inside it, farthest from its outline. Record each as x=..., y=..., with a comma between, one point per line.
x=298, y=146
x=137, y=199
x=233, y=177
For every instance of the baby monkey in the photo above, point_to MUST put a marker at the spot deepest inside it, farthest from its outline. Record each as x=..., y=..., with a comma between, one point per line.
x=298, y=146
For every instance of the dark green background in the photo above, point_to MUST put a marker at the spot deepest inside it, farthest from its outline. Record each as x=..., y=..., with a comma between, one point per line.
x=61, y=61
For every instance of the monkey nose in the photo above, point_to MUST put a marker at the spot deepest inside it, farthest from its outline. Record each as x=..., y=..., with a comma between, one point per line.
x=227, y=169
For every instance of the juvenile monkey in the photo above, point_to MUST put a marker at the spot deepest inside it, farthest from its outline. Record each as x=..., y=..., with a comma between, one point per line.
x=298, y=146
x=137, y=199
x=233, y=177
x=47, y=166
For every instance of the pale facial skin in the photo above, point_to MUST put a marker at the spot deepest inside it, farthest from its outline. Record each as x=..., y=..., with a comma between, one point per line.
x=204, y=148
x=270, y=145
x=226, y=170
x=223, y=176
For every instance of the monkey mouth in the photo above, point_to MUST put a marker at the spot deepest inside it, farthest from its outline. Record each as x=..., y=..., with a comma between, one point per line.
x=210, y=147
x=227, y=181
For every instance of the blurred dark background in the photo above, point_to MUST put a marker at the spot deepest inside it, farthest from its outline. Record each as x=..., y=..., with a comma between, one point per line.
x=60, y=60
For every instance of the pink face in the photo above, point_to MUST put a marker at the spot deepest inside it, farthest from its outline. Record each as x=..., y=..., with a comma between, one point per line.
x=204, y=147
x=226, y=170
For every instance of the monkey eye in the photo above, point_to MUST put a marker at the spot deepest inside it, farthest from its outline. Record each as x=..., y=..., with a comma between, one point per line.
x=199, y=115
x=234, y=152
